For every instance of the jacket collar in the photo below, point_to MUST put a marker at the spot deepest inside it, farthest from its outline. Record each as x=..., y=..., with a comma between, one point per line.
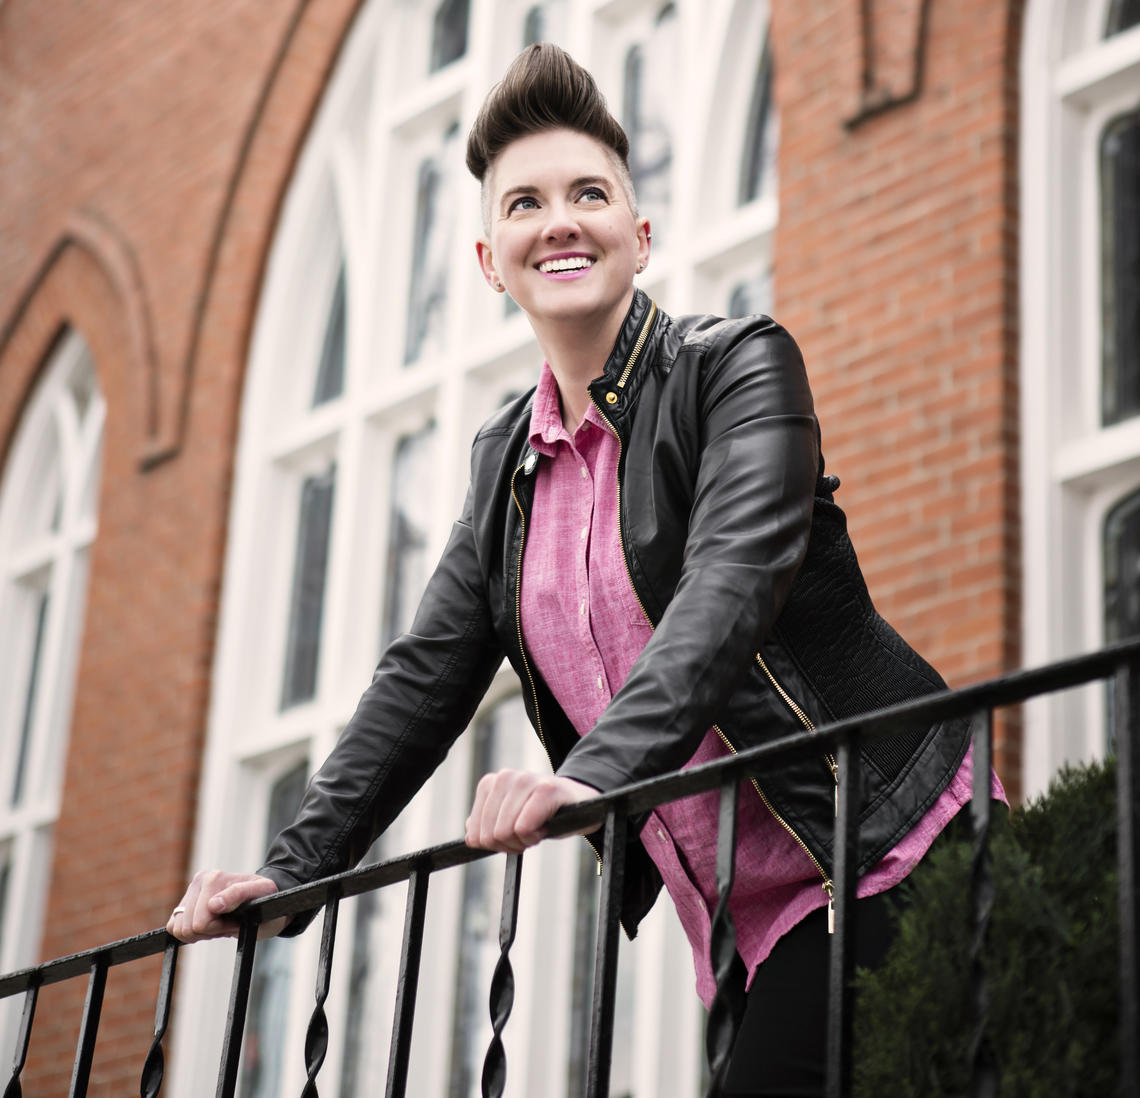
x=611, y=391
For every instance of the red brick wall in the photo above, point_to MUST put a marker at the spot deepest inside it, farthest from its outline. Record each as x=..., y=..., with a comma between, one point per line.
x=895, y=268
x=143, y=153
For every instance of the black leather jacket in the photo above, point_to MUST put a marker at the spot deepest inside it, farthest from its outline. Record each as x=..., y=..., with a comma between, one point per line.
x=739, y=557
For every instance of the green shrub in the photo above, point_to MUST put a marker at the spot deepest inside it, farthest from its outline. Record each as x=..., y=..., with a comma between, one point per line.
x=1050, y=957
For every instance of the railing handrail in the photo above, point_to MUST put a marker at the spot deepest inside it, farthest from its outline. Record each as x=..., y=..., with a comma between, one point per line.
x=1008, y=689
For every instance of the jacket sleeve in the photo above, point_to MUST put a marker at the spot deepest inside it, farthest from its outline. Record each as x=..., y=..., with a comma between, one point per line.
x=423, y=694
x=752, y=501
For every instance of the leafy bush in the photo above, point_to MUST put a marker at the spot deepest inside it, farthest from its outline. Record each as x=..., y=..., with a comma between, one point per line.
x=1050, y=958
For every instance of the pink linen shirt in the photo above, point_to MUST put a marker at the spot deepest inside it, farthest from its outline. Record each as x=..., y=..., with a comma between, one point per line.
x=583, y=629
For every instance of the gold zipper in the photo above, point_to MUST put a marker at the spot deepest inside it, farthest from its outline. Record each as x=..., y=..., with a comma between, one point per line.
x=642, y=337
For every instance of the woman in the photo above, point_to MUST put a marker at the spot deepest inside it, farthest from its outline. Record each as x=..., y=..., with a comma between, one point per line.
x=651, y=540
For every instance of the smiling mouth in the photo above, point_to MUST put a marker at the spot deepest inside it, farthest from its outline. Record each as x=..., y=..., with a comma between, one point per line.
x=572, y=263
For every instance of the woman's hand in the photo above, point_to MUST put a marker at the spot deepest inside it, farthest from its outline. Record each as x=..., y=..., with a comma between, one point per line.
x=210, y=896
x=512, y=808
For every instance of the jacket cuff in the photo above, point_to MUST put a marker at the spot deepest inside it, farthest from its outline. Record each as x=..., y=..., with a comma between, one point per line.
x=284, y=881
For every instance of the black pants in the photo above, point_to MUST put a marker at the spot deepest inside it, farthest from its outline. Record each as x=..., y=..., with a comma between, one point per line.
x=781, y=1045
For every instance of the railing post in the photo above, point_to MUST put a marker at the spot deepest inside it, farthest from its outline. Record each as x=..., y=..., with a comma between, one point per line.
x=154, y=1067
x=239, y=1001
x=728, y=1001
x=983, y=1070
x=1126, y=709
x=606, y=958
x=841, y=962
x=408, y=984
x=89, y=1031
x=317, y=1035
x=502, y=998
x=13, y=1089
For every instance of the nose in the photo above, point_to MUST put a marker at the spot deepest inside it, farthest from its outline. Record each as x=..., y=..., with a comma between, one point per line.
x=561, y=222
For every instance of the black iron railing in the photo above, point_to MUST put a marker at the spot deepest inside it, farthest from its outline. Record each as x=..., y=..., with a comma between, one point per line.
x=1119, y=663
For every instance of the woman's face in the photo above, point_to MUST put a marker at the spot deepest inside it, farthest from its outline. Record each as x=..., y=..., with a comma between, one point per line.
x=564, y=242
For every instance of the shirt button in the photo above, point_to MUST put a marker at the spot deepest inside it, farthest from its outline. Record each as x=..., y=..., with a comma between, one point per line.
x=582, y=607
x=600, y=685
x=661, y=834
x=585, y=531
x=583, y=471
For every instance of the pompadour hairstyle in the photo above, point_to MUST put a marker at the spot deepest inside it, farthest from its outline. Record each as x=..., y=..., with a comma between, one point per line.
x=544, y=89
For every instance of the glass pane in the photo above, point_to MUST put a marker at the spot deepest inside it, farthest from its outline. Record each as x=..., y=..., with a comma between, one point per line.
x=534, y=26
x=760, y=138
x=308, y=594
x=262, y=1049
x=406, y=574
x=648, y=75
x=5, y=870
x=1122, y=15
x=30, y=701
x=479, y=916
x=1122, y=569
x=1120, y=267
x=330, y=370
x=449, y=33
x=431, y=250
x=751, y=296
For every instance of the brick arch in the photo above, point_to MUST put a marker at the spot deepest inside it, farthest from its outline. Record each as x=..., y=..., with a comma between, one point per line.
x=87, y=281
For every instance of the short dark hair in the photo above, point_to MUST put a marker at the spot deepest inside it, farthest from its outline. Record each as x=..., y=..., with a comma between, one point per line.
x=544, y=89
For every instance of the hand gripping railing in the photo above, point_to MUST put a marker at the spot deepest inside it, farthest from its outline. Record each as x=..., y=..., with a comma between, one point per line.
x=1120, y=662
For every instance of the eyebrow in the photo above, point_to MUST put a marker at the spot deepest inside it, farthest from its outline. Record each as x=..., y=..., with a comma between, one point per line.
x=533, y=188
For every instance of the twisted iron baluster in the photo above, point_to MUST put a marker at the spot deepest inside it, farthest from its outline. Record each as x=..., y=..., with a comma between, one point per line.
x=401, y=1046
x=89, y=1030
x=983, y=1072
x=317, y=1035
x=728, y=1002
x=502, y=998
x=239, y=1001
x=13, y=1089
x=841, y=962
x=154, y=1066
x=606, y=958
x=1126, y=720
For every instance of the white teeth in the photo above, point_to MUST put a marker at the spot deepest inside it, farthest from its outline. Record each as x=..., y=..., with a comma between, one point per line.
x=574, y=263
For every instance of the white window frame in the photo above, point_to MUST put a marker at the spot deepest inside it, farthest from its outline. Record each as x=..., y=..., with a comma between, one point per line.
x=355, y=183
x=57, y=447
x=1073, y=469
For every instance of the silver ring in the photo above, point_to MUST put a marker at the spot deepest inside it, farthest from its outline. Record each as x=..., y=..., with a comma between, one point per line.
x=178, y=911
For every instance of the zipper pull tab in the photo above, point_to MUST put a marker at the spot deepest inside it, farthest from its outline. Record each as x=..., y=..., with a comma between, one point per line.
x=829, y=888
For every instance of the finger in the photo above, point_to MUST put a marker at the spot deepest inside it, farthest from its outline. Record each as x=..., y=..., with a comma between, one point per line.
x=238, y=893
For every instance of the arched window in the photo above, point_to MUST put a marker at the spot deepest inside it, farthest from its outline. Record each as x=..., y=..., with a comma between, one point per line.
x=1080, y=354
x=48, y=511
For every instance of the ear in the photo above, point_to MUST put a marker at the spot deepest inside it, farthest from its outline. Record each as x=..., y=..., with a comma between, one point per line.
x=487, y=265
x=643, y=238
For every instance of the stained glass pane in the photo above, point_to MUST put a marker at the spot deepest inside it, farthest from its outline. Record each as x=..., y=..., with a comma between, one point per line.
x=649, y=73
x=1122, y=15
x=308, y=593
x=263, y=1048
x=413, y=476
x=760, y=137
x=1122, y=570
x=479, y=916
x=431, y=249
x=1120, y=267
x=449, y=32
x=30, y=700
x=330, y=369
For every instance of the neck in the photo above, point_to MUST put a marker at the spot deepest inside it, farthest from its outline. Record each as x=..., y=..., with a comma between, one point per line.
x=577, y=352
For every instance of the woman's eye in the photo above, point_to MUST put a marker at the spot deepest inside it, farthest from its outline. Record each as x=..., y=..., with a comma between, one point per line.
x=593, y=194
x=524, y=203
